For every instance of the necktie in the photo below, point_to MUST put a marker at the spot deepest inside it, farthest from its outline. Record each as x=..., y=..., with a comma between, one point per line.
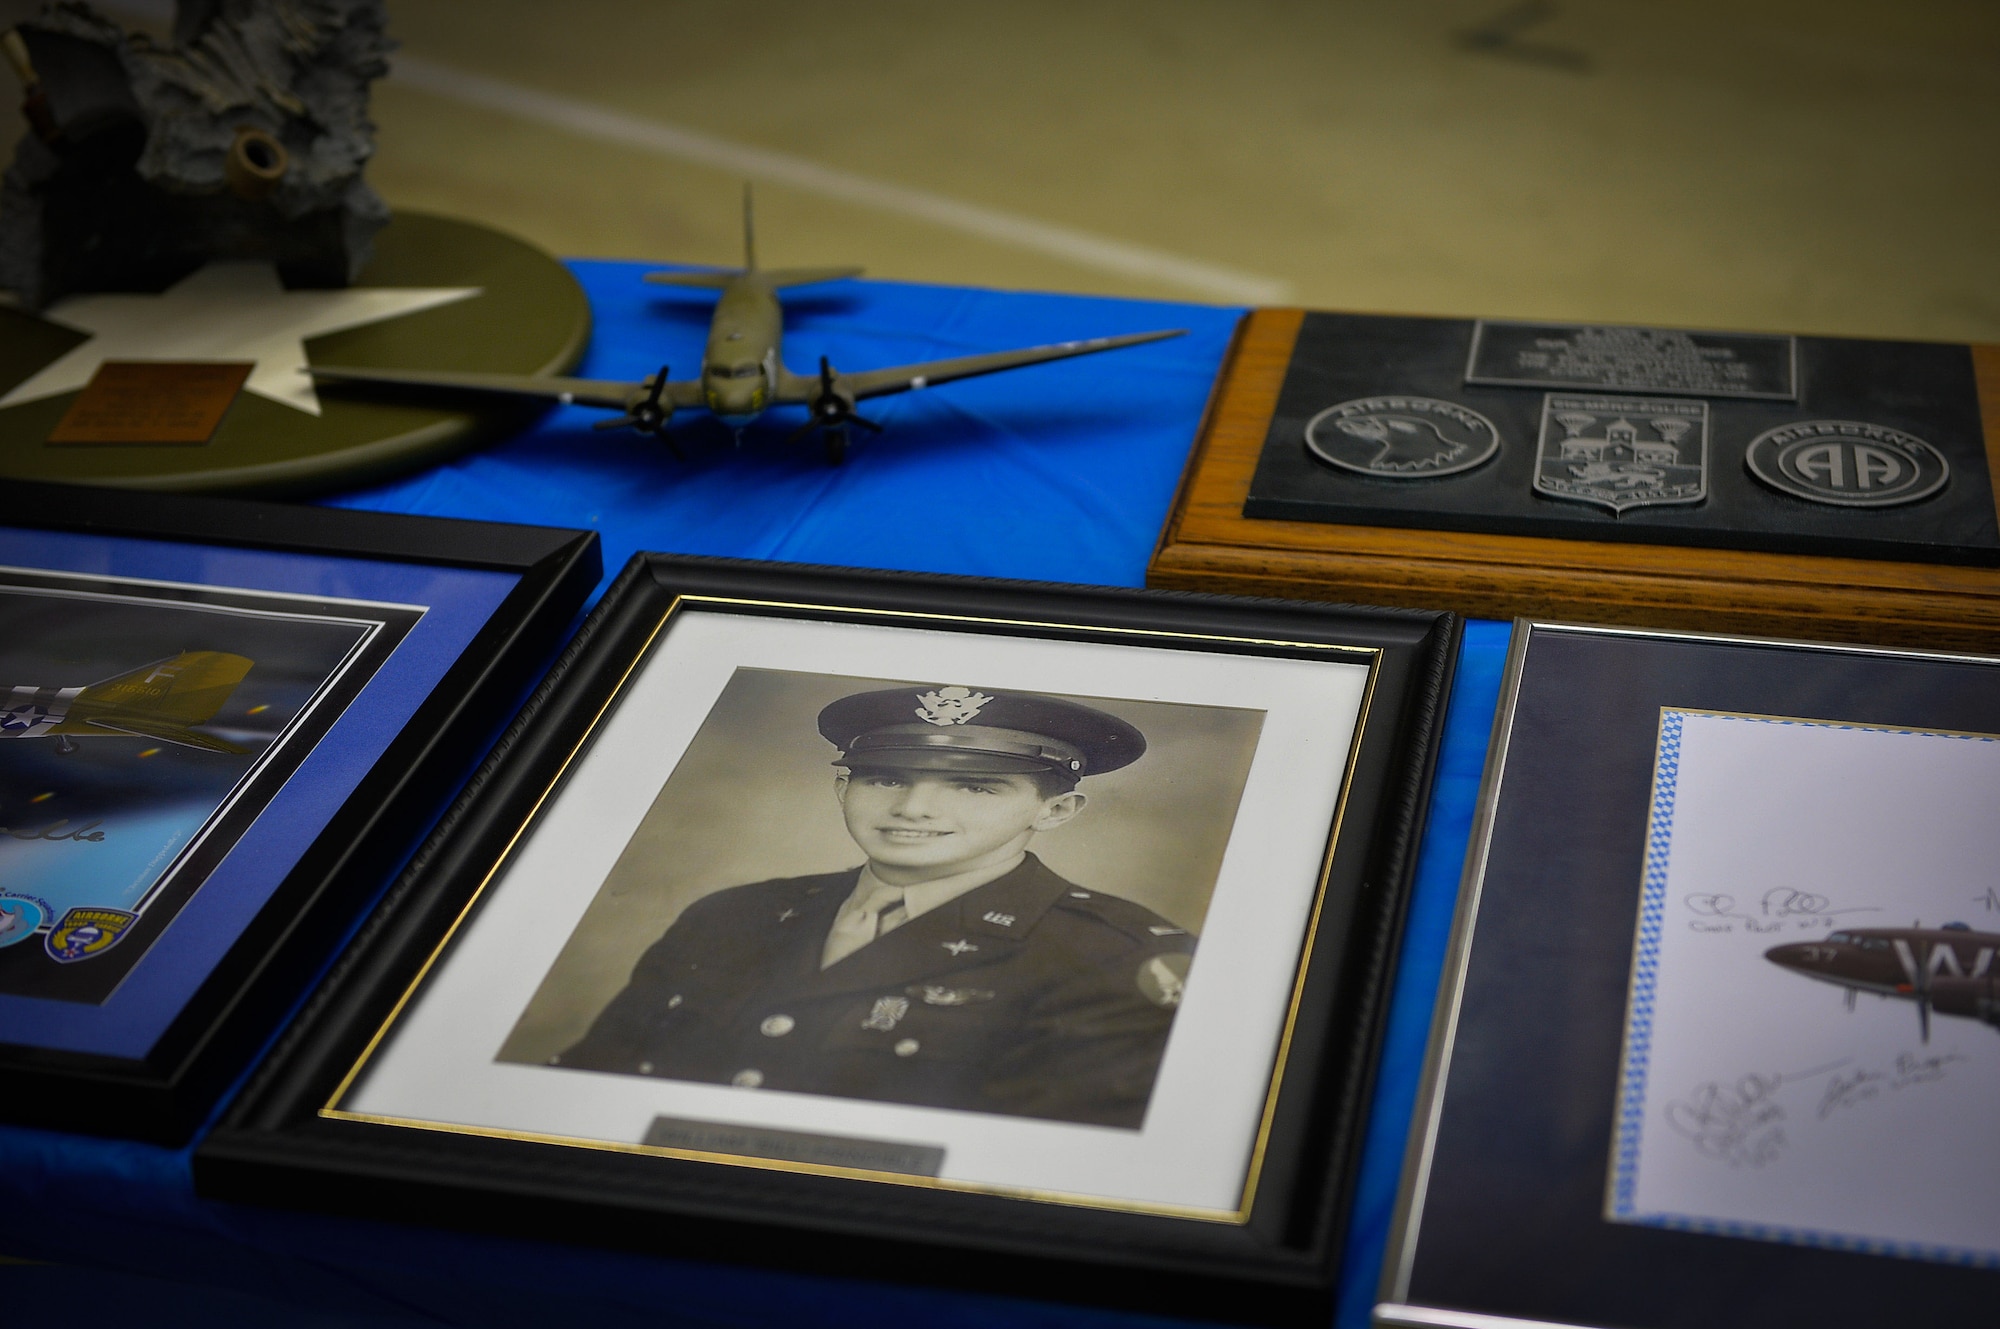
x=881, y=909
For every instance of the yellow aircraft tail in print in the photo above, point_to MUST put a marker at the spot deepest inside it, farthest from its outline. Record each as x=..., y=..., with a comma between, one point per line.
x=160, y=701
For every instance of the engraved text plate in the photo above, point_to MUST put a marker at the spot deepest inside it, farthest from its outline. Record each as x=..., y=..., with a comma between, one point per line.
x=1621, y=359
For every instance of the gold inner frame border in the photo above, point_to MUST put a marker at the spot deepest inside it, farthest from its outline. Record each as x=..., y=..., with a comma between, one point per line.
x=331, y=1110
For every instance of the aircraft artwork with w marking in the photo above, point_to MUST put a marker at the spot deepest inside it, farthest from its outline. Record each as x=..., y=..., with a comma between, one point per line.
x=162, y=701
x=1949, y=970
x=743, y=373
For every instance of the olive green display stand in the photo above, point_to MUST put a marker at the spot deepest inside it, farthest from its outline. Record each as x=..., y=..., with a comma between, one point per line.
x=530, y=317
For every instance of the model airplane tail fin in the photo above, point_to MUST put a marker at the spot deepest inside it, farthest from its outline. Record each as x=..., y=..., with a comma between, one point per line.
x=713, y=281
x=781, y=277
x=187, y=689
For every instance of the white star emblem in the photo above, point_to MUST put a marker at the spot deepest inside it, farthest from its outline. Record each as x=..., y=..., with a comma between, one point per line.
x=959, y=947
x=225, y=311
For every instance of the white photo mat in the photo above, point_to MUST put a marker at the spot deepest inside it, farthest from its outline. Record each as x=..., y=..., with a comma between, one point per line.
x=1752, y=1102
x=435, y=1066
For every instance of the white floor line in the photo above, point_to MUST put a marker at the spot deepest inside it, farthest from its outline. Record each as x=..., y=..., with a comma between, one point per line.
x=673, y=141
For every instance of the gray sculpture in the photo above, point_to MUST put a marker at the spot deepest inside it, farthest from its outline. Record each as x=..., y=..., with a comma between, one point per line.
x=243, y=139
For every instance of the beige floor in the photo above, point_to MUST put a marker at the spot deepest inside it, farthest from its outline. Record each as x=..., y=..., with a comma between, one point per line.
x=1808, y=165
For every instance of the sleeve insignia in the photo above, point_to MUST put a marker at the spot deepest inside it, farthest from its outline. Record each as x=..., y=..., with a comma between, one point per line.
x=1161, y=978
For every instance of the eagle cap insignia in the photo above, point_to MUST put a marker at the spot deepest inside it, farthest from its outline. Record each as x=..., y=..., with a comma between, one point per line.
x=948, y=706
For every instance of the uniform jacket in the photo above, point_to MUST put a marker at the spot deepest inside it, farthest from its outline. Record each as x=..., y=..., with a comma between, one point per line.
x=1027, y=996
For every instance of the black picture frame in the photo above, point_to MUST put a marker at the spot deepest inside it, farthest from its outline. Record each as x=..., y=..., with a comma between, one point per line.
x=539, y=580
x=1517, y=1148
x=1274, y=1262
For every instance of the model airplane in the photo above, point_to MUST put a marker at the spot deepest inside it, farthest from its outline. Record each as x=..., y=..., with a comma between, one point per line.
x=742, y=371
x=159, y=701
x=1948, y=969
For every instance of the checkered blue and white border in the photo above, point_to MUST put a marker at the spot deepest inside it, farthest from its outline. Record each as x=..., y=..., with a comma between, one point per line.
x=1639, y=1023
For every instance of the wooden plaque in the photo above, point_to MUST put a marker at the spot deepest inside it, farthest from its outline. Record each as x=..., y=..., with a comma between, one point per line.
x=1208, y=545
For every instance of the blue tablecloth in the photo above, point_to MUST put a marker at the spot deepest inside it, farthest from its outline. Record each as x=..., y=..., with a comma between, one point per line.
x=1062, y=472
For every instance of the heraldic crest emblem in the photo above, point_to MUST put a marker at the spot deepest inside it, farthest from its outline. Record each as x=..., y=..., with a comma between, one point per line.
x=1623, y=452
x=948, y=706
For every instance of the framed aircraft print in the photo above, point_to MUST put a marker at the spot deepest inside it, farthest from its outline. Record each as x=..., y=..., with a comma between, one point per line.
x=1720, y=1031
x=216, y=721
x=1020, y=930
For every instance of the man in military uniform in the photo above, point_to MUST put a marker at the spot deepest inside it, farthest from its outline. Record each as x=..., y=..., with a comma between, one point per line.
x=952, y=969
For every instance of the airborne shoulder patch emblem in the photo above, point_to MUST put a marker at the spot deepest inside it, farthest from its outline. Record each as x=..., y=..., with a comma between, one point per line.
x=83, y=933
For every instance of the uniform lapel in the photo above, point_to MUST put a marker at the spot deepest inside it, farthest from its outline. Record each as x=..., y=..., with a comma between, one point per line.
x=803, y=936
x=964, y=934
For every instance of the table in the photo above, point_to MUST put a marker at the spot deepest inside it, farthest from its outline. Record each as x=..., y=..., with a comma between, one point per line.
x=1062, y=472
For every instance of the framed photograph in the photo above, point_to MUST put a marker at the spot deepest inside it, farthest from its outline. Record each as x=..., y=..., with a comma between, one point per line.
x=220, y=726
x=1828, y=488
x=807, y=915
x=1720, y=1031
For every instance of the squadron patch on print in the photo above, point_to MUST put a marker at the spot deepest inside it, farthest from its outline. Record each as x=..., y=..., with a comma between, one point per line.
x=21, y=916
x=83, y=933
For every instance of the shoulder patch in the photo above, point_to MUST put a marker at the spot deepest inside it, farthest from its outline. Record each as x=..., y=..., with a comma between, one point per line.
x=1161, y=978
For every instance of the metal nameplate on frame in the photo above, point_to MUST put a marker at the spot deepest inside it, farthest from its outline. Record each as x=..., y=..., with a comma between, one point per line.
x=1628, y=359
x=783, y=1146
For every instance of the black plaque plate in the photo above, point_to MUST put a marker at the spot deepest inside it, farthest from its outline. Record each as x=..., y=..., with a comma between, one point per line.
x=1918, y=388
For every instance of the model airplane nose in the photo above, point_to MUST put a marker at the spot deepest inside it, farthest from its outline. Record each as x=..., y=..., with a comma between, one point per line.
x=1795, y=955
x=734, y=405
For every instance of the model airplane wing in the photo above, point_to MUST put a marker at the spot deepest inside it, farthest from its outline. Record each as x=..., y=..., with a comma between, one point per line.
x=607, y=393
x=803, y=389
x=775, y=278
x=147, y=727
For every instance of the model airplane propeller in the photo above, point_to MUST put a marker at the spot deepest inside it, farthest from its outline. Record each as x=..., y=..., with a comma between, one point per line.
x=742, y=371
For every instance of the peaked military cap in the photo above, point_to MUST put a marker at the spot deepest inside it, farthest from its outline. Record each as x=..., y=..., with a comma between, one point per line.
x=977, y=732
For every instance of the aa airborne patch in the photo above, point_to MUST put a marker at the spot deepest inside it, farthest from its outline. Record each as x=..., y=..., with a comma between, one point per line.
x=83, y=933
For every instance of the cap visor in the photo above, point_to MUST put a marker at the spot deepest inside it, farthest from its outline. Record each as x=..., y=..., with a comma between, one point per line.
x=946, y=759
